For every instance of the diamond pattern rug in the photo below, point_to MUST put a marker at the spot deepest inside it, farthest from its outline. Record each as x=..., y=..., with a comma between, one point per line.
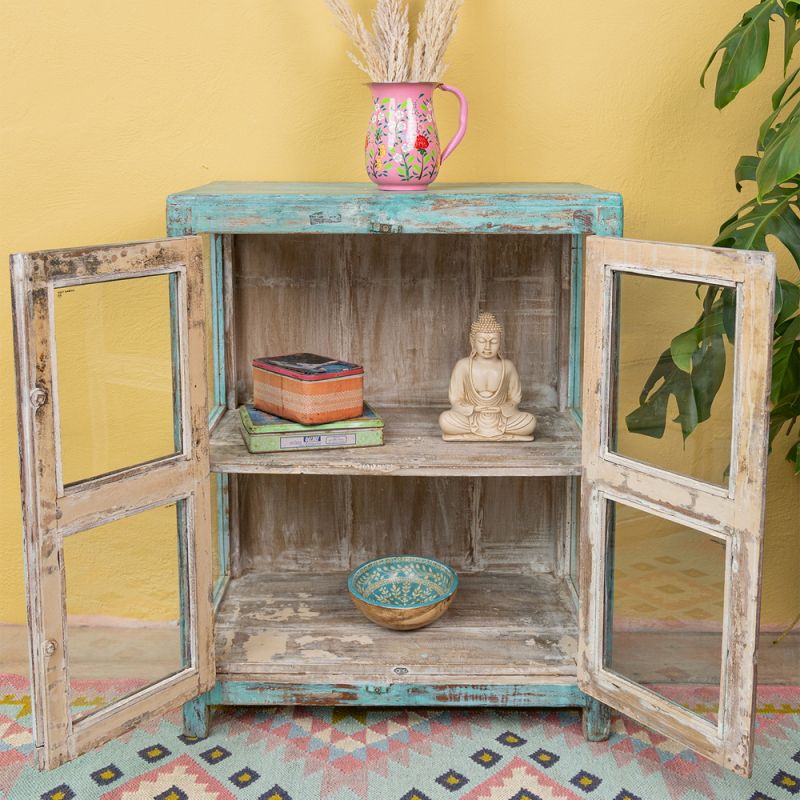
x=400, y=754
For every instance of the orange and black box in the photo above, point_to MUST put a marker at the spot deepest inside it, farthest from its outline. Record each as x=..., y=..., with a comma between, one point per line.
x=308, y=388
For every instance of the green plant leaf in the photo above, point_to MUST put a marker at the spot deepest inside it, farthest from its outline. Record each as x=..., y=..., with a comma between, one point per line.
x=682, y=348
x=746, y=171
x=708, y=370
x=744, y=52
x=775, y=216
x=729, y=313
x=694, y=388
x=793, y=456
x=789, y=294
x=788, y=331
x=781, y=159
x=791, y=35
x=769, y=130
x=786, y=367
x=780, y=92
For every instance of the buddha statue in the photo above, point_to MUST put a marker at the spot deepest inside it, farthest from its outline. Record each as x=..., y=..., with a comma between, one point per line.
x=485, y=392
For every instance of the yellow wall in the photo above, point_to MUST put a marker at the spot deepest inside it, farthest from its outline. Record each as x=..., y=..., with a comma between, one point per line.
x=108, y=107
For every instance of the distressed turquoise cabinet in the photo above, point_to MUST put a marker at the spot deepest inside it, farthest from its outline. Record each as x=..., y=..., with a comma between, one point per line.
x=393, y=282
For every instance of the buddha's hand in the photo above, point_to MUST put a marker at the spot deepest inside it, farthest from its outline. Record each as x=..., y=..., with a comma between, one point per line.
x=491, y=409
x=464, y=409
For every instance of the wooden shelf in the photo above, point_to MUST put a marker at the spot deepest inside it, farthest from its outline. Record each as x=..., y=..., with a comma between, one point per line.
x=413, y=446
x=291, y=628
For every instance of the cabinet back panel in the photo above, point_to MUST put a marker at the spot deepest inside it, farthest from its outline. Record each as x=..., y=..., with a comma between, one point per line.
x=401, y=305
x=316, y=523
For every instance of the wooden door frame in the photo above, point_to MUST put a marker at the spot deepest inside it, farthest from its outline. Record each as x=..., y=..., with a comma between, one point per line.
x=52, y=511
x=734, y=513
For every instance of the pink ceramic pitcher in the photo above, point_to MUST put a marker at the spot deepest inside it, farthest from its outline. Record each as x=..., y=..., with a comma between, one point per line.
x=402, y=147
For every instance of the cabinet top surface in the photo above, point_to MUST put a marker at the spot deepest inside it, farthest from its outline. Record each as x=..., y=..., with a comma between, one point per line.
x=549, y=191
x=266, y=207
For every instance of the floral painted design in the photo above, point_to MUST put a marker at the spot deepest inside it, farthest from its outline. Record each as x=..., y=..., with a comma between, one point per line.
x=402, y=144
x=403, y=581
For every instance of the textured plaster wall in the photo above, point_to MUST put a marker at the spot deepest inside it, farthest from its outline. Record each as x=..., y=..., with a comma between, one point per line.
x=108, y=107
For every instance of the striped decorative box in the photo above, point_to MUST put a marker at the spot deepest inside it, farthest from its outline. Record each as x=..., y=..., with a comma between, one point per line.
x=308, y=388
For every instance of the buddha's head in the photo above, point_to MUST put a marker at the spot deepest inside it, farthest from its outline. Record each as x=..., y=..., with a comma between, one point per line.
x=485, y=336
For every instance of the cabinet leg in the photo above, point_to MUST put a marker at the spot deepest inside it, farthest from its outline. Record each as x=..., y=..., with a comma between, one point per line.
x=596, y=719
x=196, y=715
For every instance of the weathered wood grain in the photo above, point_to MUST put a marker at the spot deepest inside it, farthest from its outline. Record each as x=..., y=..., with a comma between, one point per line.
x=402, y=306
x=298, y=523
x=413, y=446
x=309, y=523
x=298, y=628
x=734, y=513
x=429, y=516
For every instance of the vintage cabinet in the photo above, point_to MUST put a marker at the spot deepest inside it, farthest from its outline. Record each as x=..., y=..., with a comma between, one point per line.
x=537, y=531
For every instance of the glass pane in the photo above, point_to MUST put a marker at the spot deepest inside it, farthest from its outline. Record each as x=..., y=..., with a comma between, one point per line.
x=664, y=627
x=123, y=599
x=652, y=316
x=114, y=355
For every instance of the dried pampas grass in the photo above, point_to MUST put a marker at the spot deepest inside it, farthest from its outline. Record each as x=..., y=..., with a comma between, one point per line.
x=435, y=27
x=383, y=53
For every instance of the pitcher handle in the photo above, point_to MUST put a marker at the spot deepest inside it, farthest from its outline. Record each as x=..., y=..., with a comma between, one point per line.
x=462, y=121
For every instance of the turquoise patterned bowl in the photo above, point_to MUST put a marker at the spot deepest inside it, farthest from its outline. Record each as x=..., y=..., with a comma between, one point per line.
x=402, y=592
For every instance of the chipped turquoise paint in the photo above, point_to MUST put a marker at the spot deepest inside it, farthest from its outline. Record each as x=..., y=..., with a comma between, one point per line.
x=400, y=694
x=195, y=717
x=217, y=320
x=576, y=326
x=253, y=207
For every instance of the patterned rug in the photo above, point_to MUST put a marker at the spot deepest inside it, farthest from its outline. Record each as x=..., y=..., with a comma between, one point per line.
x=380, y=754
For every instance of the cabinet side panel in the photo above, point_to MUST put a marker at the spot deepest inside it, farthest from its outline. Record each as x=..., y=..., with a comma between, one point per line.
x=401, y=305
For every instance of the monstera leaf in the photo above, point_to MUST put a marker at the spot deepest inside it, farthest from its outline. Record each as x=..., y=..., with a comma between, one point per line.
x=744, y=52
x=779, y=139
x=776, y=215
x=691, y=369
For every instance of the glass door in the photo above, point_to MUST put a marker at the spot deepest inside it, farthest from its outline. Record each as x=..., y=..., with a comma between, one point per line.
x=676, y=379
x=112, y=402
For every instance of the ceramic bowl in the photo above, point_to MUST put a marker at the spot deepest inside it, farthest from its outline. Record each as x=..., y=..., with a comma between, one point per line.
x=402, y=592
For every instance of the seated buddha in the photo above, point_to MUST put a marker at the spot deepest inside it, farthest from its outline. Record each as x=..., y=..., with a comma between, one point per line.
x=485, y=392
